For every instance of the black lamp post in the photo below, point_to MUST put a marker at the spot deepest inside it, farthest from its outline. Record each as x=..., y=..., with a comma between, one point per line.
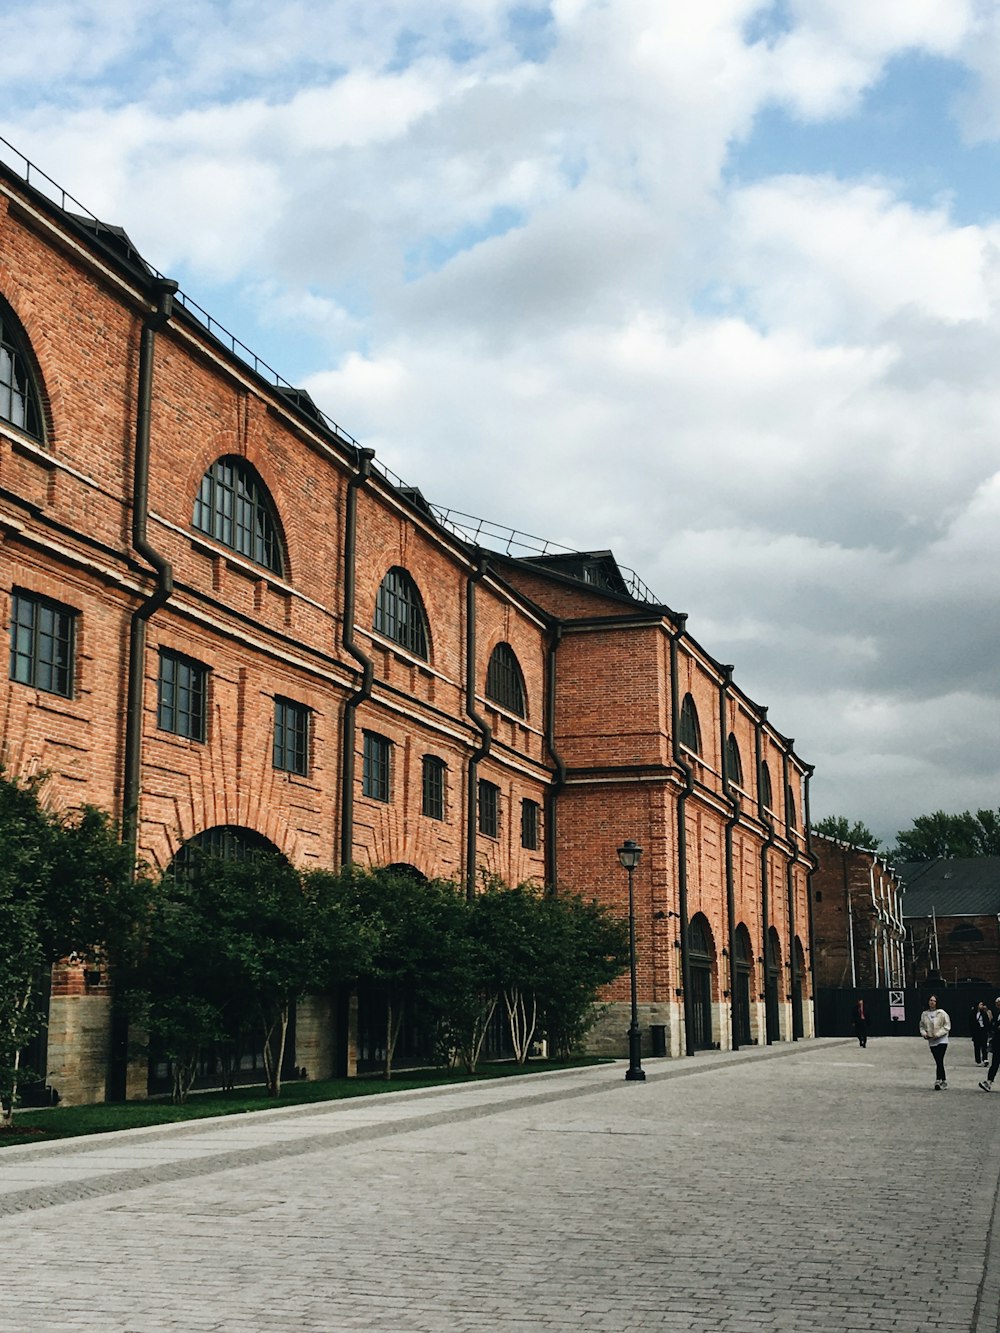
x=628, y=854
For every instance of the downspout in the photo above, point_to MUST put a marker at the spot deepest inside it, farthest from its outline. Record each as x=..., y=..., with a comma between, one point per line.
x=793, y=962
x=550, y=829
x=164, y=290
x=850, y=918
x=682, y=902
x=364, y=690
x=765, y=888
x=731, y=818
x=481, y=725
x=813, y=863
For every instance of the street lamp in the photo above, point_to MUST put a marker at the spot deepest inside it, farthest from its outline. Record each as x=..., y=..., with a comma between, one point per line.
x=628, y=854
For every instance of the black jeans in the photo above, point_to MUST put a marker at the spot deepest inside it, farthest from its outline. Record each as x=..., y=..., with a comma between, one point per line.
x=994, y=1066
x=980, y=1044
x=939, y=1052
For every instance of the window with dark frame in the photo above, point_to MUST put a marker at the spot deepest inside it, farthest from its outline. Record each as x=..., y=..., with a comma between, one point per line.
x=529, y=825
x=233, y=506
x=41, y=644
x=433, y=787
x=690, y=726
x=734, y=764
x=489, y=809
x=399, y=612
x=182, y=696
x=375, y=768
x=790, y=812
x=766, y=793
x=19, y=399
x=504, y=680
x=291, y=737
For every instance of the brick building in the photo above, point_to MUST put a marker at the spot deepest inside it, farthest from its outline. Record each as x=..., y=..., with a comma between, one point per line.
x=857, y=918
x=229, y=625
x=951, y=909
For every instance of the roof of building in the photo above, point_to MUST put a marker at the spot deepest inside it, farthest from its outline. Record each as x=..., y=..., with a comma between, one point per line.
x=951, y=886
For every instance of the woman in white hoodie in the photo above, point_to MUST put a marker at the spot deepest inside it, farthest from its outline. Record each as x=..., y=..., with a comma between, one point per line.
x=934, y=1028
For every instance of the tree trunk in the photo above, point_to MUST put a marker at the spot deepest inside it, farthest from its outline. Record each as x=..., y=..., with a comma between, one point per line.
x=522, y=1022
x=273, y=1060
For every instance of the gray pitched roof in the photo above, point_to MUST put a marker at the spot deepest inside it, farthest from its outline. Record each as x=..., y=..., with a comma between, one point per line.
x=955, y=886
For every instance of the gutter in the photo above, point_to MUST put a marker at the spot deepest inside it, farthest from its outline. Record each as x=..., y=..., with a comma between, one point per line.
x=364, y=690
x=480, y=723
x=682, y=900
x=164, y=290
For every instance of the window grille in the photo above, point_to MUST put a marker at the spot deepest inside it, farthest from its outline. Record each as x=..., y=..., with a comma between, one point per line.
x=19, y=401
x=233, y=506
x=766, y=792
x=291, y=737
x=182, y=696
x=41, y=644
x=734, y=764
x=504, y=681
x=375, y=774
x=489, y=809
x=399, y=612
x=690, y=727
x=529, y=825
x=433, y=787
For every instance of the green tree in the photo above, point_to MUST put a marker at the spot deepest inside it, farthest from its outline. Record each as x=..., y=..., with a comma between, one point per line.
x=586, y=949
x=841, y=829
x=943, y=835
x=66, y=886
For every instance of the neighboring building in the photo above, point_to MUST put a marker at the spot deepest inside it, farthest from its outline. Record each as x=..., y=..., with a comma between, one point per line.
x=231, y=628
x=857, y=918
x=952, y=913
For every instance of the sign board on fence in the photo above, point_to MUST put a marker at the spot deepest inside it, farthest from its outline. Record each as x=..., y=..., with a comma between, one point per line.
x=897, y=1009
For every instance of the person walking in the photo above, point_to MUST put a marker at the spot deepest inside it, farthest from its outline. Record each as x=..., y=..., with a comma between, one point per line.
x=861, y=1024
x=981, y=1025
x=991, y=1073
x=934, y=1028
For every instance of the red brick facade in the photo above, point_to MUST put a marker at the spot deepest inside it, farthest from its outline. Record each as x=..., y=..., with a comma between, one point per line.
x=857, y=919
x=722, y=903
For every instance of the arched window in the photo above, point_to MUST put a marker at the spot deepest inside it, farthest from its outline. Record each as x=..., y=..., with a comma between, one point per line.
x=399, y=612
x=19, y=399
x=225, y=842
x=233, y=506
x=734, y=764
x=790, y=808
x=504, y=682
x=690, y=728
x=766, y=794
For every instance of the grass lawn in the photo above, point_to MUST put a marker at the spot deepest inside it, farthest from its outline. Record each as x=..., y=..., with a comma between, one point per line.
x=63, y=1122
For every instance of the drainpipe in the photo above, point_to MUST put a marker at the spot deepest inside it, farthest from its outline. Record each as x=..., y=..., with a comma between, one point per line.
x=810, y=871
x=481, y=725
x=164, y=290
x=682, y=800
x=732, y=817
x=793, y=962
x=364, y=690
x=551, y=855
x=765, y=889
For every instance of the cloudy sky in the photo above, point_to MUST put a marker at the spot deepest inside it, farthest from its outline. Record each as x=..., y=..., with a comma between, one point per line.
x=714, y=284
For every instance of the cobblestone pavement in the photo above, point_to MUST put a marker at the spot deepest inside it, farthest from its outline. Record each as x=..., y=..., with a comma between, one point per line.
x=799, y=1188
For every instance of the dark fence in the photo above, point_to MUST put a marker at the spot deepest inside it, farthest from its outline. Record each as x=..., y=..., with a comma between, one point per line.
x=835, y=1008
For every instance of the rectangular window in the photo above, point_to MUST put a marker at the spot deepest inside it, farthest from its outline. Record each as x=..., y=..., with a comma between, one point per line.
x=182, y=696
x=489, y=809
x=433, y=787
x=375, y=777
x=529, y=825
x=291, y=737
x=41, y=644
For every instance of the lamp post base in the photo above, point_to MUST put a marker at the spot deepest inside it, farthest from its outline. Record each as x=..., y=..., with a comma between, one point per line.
x=635, y=1072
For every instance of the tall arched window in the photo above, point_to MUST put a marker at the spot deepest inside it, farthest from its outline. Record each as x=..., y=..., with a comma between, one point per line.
x=19, y=399
x=504, y=681
x=233, y=506
x=734, y=764
x=790, y=815
x=690, y=727
x=399, y=612
x=766, y=792
x=224, y=842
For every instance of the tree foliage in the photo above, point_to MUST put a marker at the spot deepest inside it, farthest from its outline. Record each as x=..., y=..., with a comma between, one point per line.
x=840, y=828
x=943, y=835
x=66, y=887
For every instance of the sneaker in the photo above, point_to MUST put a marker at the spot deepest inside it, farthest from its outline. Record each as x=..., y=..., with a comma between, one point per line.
x=986, y=1085
x=944, y=1083
x=937, y=1087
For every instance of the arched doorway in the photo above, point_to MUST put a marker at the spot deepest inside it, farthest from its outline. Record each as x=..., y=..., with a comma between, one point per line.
x=235, y=1055
x=772, y=984
x=798, y=1026
x=742, y=974
x=700, y=956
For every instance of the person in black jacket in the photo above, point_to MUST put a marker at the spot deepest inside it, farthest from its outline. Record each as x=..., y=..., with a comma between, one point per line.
x=987, y=1082
x=861, y=1024
x=981, y=1027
